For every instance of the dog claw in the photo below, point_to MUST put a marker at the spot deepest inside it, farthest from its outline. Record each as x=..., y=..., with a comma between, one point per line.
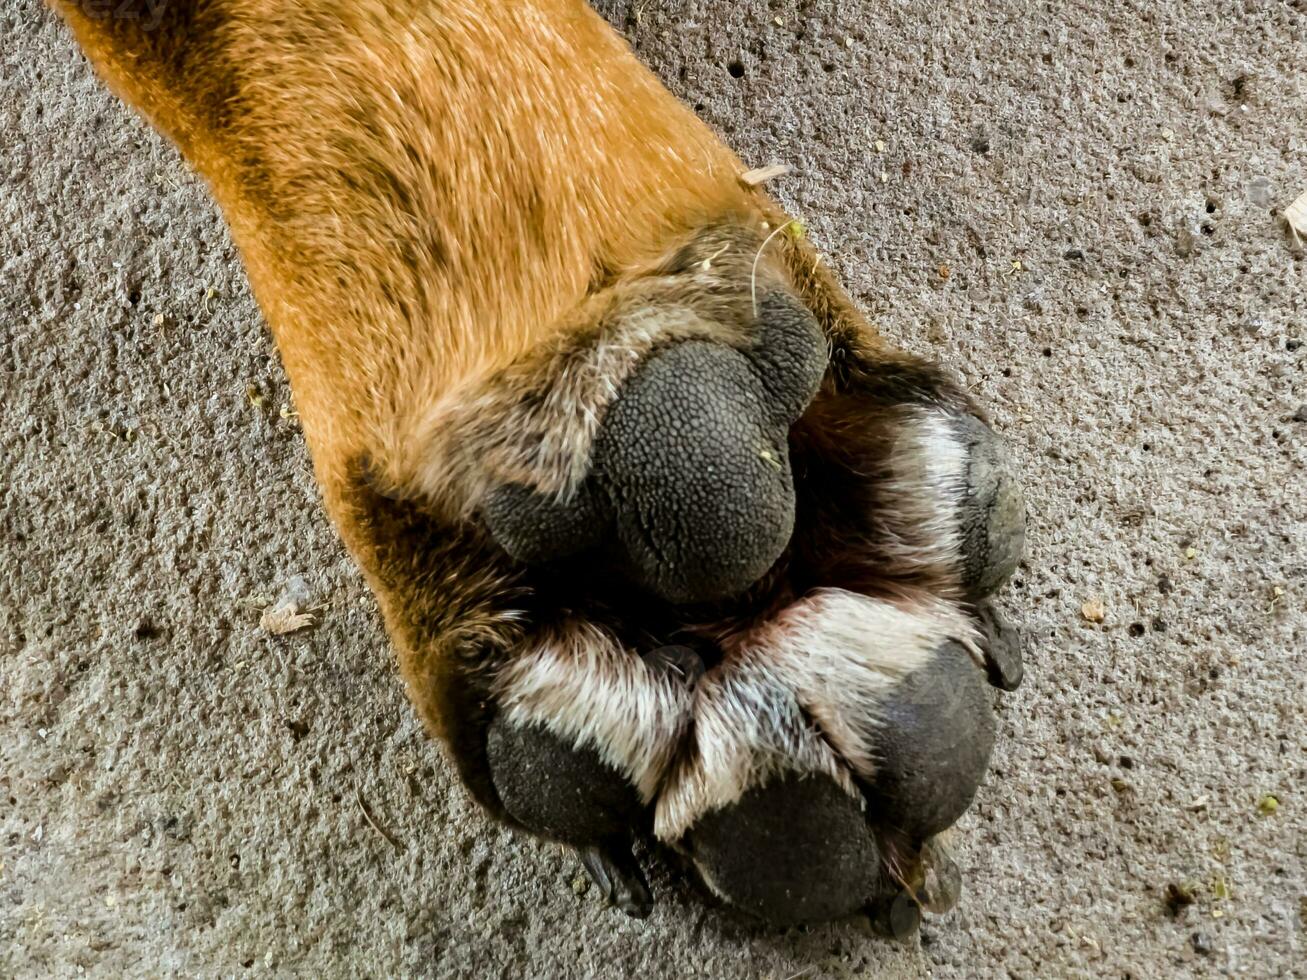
x=896, y=916
x=1002, y=649
x=940, y=882
x=614, y=869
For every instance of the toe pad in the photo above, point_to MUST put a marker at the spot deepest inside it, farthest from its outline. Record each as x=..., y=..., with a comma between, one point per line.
x=936, y=733
x=556, y=790
x=992, y=511
x=795, y=850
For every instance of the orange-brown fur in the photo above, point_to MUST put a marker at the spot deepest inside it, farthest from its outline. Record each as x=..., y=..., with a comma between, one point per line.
x=429, y=198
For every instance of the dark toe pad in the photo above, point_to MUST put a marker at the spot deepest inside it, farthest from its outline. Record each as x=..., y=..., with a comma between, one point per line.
x=992, y=511
x=558, y=791
x=797, y=849
x=936, y=732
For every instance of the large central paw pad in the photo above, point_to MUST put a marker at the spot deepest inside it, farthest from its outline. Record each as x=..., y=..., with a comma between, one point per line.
x=690, y=489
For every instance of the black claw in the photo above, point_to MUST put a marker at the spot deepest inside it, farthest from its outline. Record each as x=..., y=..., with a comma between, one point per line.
x=614, y=869
x=895, y=916
x=1004, y=661
x=681, y=662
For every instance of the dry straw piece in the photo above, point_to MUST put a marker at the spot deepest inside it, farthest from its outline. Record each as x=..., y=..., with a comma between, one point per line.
x=760, y=176
x=1296, y=215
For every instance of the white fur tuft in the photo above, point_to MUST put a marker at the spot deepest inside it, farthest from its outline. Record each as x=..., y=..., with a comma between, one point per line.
x=586, y=689
x=802, y=694
x=927, y=470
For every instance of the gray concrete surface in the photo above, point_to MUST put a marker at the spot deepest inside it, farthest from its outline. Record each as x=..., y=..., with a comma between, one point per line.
x=1055, y=199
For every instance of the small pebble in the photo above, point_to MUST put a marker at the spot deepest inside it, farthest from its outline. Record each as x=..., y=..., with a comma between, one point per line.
x=1184, y=243
x=1259, y=192
x=1200, y=943
x=1094, y=611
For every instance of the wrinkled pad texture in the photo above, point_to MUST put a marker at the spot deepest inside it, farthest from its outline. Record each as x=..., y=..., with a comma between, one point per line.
x=690, y=488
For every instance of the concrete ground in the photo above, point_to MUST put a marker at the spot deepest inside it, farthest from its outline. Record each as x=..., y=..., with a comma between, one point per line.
x=1073, y=205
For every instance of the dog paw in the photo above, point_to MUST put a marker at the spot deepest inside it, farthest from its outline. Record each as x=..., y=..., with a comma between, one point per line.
x=822, y=523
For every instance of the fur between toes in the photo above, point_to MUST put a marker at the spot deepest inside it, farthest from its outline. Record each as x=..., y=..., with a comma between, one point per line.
x=806, y=692
x=954, y=488
x=581, y=685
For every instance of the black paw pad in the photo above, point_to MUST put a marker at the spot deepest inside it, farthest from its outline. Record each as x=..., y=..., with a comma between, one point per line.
x=558, y=791
x=797, y=849
x=936, y=732
x=690, y=488
x=992, y=512
x=533, y=527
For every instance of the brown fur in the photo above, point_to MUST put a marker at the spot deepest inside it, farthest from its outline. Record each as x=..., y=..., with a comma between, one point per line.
x=439, y=206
